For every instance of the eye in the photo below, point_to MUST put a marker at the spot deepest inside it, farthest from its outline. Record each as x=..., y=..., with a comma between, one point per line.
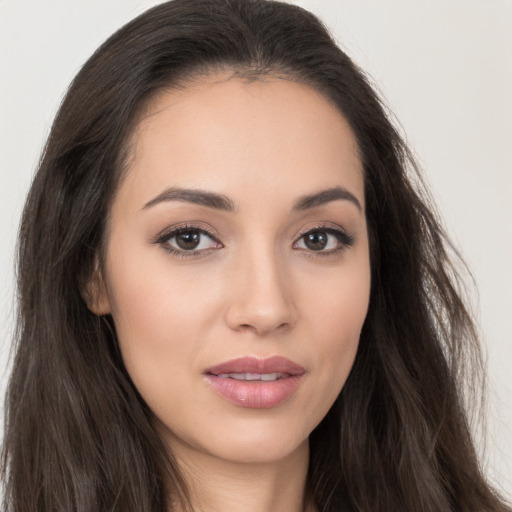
x=187, y=241
x=324, y=240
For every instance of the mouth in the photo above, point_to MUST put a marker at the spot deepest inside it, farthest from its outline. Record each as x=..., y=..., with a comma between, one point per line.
x=256, y=383
x=267, y=377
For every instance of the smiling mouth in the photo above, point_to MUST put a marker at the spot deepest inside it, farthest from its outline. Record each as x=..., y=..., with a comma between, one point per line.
x=256, y=383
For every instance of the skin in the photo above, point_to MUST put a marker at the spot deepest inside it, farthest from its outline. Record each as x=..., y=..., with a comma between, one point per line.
x=256, y=289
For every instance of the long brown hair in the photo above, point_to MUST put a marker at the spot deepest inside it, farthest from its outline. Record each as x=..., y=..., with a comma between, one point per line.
x=79, y=437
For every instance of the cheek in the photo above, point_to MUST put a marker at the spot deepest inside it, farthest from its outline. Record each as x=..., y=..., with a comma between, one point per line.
x=157, y=318
x=150, y=296
x=336, y=315
x=339, y=301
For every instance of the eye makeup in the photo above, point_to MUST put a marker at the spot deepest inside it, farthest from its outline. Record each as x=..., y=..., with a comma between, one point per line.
x=328, y=234
x=323, y=240
x=187, y=234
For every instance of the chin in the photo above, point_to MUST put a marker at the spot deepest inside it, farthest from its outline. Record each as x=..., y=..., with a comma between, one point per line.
x=260, y=450
x=253, y=441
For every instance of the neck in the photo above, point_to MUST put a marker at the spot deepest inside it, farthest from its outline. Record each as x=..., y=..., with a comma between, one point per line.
x=217, y=485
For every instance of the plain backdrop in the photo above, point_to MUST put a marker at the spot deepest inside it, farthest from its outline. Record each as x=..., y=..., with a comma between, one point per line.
x=443, y=66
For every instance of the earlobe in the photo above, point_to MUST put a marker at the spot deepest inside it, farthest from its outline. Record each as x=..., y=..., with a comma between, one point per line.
x=95, y=293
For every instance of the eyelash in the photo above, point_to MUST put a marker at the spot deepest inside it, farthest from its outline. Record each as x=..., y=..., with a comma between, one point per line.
x=164, y=238
x=341, y=235
x=344, y=239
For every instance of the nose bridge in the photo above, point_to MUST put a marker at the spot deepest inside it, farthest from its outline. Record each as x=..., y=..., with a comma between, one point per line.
x=262, y=298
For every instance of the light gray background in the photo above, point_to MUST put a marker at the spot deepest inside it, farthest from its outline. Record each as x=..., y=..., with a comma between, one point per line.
x=444, y=67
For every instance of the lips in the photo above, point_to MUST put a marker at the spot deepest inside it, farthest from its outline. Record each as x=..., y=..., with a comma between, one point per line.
x=255, y=383
x=253, y=376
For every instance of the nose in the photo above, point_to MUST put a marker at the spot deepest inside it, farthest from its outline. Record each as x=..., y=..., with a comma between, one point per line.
x=261, y=295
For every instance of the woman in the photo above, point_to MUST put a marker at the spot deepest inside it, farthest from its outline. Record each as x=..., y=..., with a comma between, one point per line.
x=231, y=296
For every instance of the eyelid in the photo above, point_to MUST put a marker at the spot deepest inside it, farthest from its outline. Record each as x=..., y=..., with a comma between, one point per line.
x=345, y=240
x=322, y=225
x=167, y=234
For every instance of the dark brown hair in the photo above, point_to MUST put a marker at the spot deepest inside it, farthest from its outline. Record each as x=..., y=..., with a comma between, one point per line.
x=78, y=436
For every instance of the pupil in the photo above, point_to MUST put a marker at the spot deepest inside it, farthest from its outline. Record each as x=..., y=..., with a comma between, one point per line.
x=316, y=240
x=188, y=240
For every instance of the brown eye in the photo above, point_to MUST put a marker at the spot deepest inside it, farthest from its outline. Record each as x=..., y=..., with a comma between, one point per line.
x=188, y=240
x=324, y=241
x=316, y=240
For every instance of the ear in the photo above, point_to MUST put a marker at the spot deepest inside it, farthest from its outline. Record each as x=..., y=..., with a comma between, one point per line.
x=95, y=293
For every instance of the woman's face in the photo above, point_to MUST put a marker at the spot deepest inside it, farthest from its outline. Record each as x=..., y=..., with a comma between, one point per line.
x=237, y=267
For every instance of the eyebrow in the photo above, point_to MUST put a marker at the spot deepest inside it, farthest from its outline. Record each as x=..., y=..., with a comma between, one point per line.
x=224, y=203
x=326, y=196
x=209, y=199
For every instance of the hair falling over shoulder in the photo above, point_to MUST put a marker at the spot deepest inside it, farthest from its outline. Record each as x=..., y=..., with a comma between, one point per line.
x=78, y=436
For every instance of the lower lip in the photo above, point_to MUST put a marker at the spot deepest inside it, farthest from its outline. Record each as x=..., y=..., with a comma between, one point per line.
x=255, y=394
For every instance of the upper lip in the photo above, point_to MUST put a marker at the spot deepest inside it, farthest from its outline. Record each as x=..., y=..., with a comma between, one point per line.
x=274, y=364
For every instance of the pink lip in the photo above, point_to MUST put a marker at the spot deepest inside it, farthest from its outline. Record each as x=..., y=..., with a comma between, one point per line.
x=257, y=394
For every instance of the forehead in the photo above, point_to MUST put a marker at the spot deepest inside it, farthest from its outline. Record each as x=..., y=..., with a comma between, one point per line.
x=271, y=134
